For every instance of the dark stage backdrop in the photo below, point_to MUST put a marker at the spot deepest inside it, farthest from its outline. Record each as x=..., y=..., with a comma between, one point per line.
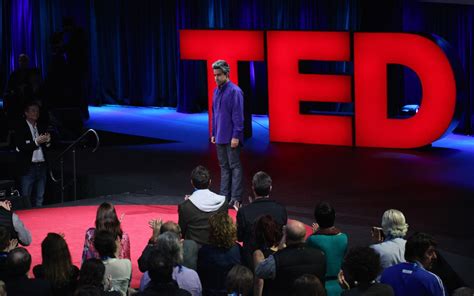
x=133, y=47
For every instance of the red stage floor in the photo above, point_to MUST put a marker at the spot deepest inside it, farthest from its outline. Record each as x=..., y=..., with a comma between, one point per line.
x=74, y=221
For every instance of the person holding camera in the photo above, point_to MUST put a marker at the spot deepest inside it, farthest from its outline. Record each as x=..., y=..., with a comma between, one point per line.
x=390, y=241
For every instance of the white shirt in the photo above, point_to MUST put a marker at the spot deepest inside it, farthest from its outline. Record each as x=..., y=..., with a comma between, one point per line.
x=38, y=155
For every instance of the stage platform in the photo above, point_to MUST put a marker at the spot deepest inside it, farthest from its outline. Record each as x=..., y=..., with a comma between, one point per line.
x=147, y=155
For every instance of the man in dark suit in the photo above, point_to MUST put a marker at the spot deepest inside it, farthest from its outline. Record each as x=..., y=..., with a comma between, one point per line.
x=31, y=141
x=17, y=281
x=281, y=269
x=259, y=206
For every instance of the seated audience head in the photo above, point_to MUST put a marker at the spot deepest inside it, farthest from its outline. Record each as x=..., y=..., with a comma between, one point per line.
x=5, y=238
x=106, y=219
x=160, y=267
x=394, y=223
x=171, y=227
x=200, y=177
x=18, y=262
x=56, y=257
x=463, y=291
x=92, y=273
x=169, y=245
x=267, y=232
x=421, y=247
x=324, y=214
x=261, y=184
x=295, y=232
x=308, y=285
x=361, y=265
x=105, y=243
x=239, y=280
x=222, y=230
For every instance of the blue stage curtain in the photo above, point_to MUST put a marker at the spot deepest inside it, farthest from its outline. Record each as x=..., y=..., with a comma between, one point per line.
x=133, y=46
x=455, y=24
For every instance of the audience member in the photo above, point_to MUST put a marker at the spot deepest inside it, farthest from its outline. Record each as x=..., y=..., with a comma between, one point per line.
x=331, y=241
x=161, y=275
x=216, y=259
x=106, y=219
x=169, y=245
x=360, y=268
x=391, y=247
x=463, y=291
x=268, y=235
x=308, y=285
x=412, y=277
x=6, y=245
x=260, y=205
x=190, y=247
x=3, y=289
x=57, y=266
x=195, y=211
x=239, y=281
x=31, y=141
x=17, y=282
x=24, y=86
x=12, y=222
x=91, y=280
x=281, y=269
x=119, y=270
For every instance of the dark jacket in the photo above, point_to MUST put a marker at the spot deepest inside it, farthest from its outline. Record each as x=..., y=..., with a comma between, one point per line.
x=248, y=215
x=293, y=262
x=213, y=266
x=246, y=218
x=22, y=286
x=194, y=222
x=169, y=289
x=25, y=144
x=63, y=290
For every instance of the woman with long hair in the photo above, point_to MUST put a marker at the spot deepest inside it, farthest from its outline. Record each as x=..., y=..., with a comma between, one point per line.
x=57, y=266
x=106, y=219
x=216, y=259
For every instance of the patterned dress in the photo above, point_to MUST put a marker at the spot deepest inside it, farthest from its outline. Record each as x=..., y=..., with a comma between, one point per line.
x=90, y=252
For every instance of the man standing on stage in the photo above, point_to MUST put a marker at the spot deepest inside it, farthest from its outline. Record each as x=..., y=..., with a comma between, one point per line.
x=227, y=130
x=31, y=140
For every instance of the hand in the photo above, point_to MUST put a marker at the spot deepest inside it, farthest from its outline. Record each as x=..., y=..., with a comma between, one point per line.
x=13, y=244
x=234, y=143
x=47, y=137
x=377, y=234
x=62, y=234
x=213, y=140
x=237, y=205
x=187, y=196
x=315, y=227
x=342, y=281
x=6, y=204
x=250, y=199
x=108, y=283
x=155, y=224
x=121, y=217
x=43, y=138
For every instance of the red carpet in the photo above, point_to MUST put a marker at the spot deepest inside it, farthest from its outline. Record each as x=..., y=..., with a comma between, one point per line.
x=74, y=221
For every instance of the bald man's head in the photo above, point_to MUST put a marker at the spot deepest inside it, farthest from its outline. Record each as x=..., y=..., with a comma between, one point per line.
x=295, y=232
